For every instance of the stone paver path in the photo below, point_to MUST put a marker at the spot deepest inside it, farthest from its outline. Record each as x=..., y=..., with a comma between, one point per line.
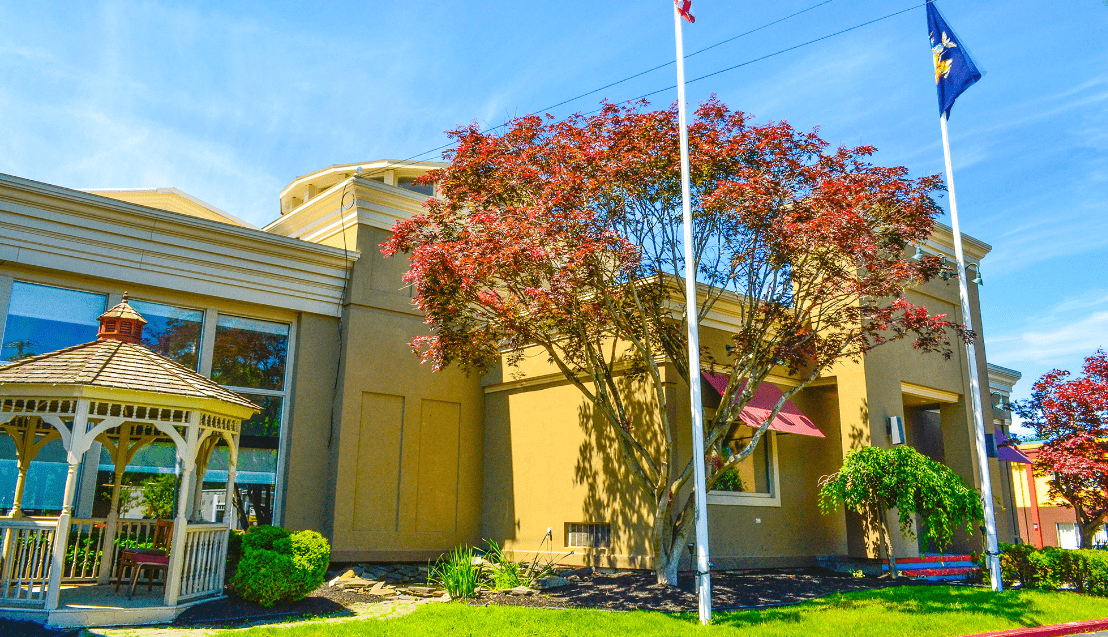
x=387, y=609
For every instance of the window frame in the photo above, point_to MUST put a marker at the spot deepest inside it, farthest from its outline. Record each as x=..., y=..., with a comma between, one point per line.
x=285, y=393
x=203, y=329
x=743, y=498
x=7, y=286
x=113, y=295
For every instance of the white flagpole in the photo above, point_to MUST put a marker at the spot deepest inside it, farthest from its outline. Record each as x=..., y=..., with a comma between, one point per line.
x=975, y=387
x=703, y=575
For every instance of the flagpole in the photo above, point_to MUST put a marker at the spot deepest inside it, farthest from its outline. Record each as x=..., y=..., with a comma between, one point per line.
x=703, y=575
x=992, y=548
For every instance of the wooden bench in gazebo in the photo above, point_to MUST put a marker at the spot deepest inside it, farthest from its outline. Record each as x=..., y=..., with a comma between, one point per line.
x=117, y=392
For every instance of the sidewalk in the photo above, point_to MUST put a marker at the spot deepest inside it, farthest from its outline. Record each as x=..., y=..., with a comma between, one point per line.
x=379, y=610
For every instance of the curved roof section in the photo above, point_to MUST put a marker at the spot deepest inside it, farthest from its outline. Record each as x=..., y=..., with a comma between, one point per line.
x=116, y=365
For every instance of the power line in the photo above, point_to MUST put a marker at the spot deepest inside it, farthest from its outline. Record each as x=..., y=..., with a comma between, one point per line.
x=628, y=78
x=412, y=159
x=662, y=66
x=791, y=48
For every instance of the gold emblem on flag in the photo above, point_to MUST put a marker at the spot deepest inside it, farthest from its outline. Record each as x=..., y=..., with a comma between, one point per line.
x=942, y=67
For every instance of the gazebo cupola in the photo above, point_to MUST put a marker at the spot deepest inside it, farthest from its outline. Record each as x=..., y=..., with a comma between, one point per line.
x=121, y=323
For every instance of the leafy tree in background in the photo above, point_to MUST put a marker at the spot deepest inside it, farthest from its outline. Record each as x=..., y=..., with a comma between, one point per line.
x=158, y=495
x=874, y=480
x=560, y=239
x=23, y=349
x=1071, y=416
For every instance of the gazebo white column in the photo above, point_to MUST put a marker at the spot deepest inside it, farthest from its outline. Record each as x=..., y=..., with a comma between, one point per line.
x=230, y=516
x=74, y=454
x=187, y=455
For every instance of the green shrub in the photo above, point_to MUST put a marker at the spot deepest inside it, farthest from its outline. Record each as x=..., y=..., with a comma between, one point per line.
x=457, y=573
x=234, y=550
x=729, y=481
x=1046, y=564
x=278, y=566
x=1096, y=571
x=1015, y=564
x=1050, y=568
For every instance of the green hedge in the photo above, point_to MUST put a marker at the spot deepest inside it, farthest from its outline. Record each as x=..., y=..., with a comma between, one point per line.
x=280, y=566
x=1050, y=568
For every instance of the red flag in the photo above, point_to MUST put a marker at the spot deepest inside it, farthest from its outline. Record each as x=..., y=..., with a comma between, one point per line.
x=684, y=7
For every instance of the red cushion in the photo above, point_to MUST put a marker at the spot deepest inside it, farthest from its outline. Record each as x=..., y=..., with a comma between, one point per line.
x=151, y=559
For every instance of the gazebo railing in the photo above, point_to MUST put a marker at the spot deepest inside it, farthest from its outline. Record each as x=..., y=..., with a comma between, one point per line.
x=26, y=547
x=205, y=560
x=130, y=534
x=85, y=554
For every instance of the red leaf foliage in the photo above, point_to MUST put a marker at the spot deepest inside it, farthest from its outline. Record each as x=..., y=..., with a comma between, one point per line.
x=1071, y=416
x=564, y=236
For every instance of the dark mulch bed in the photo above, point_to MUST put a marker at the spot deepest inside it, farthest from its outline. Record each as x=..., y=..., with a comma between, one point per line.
x=12, y=628
x=637, y=590
x=234, y=611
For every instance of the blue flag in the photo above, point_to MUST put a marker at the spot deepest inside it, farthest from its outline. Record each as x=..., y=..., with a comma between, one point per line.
x=954, y=69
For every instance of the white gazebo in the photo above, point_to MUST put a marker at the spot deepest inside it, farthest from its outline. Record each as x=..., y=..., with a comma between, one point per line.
x=116, y=392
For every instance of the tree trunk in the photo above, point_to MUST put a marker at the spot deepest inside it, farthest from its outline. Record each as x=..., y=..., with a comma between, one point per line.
x=1088, y=530
x=886, y=538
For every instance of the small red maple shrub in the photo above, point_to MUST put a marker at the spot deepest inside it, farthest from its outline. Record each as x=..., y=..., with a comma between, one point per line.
x=561, y=239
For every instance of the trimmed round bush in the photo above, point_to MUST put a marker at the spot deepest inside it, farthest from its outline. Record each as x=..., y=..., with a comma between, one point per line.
x=280, y=566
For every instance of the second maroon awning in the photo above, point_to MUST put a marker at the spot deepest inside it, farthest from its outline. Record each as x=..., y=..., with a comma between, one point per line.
x=789, y=420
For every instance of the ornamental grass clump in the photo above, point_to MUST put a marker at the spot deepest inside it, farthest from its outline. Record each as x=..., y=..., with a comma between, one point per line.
x=280, y=566
x=504, y=573
x=457, y=572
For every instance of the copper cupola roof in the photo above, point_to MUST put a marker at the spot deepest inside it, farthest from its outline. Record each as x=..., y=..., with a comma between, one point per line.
x=121, y=323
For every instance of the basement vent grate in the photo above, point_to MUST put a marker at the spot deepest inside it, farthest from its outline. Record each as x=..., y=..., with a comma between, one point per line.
x=589, y=535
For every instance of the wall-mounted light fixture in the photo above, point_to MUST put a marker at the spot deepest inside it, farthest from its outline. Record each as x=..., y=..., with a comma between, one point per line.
x=977, y=268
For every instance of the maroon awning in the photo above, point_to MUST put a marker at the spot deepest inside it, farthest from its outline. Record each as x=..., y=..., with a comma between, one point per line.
x=1006, y=449
x=789, y=420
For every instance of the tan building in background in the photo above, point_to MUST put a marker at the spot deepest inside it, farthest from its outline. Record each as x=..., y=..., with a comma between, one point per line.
x=393, y=462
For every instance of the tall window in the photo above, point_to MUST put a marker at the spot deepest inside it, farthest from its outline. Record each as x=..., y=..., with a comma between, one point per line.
x=173, y=332
x=249, y=358
x=42, y=319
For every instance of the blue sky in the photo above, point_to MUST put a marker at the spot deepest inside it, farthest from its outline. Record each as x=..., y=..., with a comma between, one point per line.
x=231, y=101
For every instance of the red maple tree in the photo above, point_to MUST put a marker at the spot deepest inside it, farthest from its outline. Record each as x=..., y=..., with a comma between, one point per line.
x=562, y=239
x=1071, y=416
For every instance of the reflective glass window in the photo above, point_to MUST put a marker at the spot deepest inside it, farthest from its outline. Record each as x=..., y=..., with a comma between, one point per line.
x=42, y=319
x=264, y=428
x=754, y=473
x=173, y=332
x=250, y=353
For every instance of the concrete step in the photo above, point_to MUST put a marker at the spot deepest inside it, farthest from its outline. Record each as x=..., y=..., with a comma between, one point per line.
x=935, y=567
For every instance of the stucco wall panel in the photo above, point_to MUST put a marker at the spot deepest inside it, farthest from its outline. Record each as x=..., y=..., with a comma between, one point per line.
x=377, y=482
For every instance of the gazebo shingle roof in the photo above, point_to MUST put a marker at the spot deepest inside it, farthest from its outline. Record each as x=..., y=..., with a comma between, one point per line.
x=116, y=364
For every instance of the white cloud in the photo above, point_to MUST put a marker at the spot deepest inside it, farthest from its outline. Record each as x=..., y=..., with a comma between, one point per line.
x=1058, y=337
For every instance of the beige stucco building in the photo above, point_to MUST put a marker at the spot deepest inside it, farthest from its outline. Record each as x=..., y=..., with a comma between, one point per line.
x=306, y=318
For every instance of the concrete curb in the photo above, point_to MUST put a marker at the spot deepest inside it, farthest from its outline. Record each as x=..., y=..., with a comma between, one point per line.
x=1053, y=630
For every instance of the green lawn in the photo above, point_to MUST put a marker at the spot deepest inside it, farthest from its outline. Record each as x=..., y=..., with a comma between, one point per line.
x=923, y=610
